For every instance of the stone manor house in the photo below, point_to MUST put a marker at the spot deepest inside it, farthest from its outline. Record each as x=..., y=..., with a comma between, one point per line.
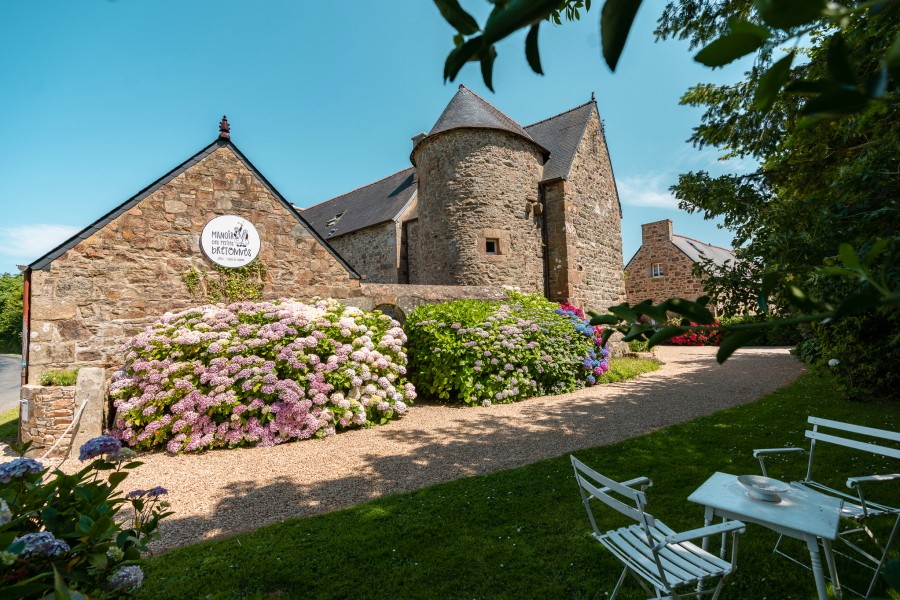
x=486, y=203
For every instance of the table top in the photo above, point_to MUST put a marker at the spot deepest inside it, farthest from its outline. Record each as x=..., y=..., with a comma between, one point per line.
x=803, y=511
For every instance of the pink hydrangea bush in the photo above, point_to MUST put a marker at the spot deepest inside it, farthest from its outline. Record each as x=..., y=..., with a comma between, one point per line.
x=259, y=373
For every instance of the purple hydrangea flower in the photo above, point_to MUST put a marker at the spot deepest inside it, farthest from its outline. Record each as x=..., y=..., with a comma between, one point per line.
x=42, y=543
x=99, y=446
x=19, y=467
x=127, y=578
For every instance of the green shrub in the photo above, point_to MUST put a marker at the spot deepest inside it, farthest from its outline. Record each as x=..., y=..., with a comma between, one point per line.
x=63, y=536
x=479, y=352
x=809, y=350
x=865, y=370
x=787, y=335
x=59, y=377
x=638, y=346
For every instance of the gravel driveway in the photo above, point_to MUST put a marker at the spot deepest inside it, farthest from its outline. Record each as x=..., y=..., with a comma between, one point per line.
x=227, y=491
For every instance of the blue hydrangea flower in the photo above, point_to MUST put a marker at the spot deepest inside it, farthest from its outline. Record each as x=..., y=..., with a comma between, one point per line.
x=42, y=543
x=126, y=578
x=98, y=446
x=19, y=467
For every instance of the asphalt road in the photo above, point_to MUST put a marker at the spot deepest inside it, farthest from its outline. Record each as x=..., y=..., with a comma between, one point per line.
x=10, y=377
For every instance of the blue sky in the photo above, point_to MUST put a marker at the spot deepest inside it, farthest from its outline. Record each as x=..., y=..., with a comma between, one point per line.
x=103, y=97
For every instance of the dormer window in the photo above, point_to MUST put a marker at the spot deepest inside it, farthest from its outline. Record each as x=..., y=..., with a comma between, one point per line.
x=656, y=270
x=333, y=221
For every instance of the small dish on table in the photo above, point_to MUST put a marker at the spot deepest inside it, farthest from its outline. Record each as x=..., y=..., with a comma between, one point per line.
x=763, y=488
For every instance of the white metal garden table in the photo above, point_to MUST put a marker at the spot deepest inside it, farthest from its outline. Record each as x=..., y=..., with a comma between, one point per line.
x=801, y=514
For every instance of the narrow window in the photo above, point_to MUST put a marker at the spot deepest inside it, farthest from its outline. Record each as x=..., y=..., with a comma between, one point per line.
x=656, y=270
x=492, y=246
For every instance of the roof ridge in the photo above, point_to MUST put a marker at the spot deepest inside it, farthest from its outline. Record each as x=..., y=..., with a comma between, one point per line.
x=561, y=114
x=704, y=243
x=362, y=187
x=494, y=108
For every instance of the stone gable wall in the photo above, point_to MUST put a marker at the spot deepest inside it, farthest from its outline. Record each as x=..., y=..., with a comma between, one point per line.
x=477, y=184
x=585, y=228
x=373, y=252
x=657, y=247
x=109, y=286
x=407, y=297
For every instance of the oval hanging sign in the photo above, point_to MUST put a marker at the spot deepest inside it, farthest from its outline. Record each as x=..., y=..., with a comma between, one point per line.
x=230, y=241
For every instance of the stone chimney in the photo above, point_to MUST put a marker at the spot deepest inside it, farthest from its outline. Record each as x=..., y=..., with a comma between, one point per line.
x=657, y=231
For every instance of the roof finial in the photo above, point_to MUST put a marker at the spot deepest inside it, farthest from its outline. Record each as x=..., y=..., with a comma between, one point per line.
x=593, y=97
x=224, y=129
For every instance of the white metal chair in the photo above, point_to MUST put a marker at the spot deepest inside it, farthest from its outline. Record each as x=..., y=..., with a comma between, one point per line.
x=653, y=553
x=855, y=507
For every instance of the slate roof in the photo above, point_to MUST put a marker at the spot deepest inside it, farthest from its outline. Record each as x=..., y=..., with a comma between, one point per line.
x=698, y=251
x=468, y=110
x=561, y=135
x=45, y=261
x=558, y=136
x=375, y=203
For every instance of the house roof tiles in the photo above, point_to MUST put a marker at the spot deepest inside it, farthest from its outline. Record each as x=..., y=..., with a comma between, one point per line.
x=369, y=205
x=698, y=251
x=559, y=136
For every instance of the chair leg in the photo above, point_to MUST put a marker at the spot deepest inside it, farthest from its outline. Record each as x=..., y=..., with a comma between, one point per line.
x=775, y=549
x=719, y=587
x=884, y=556
x=619, y=584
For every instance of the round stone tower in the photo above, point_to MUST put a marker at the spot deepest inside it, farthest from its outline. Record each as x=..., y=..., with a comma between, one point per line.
x=479, y=219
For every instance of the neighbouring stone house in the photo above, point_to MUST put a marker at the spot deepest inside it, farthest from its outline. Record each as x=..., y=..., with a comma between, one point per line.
x=489, y=202
x=663, y=265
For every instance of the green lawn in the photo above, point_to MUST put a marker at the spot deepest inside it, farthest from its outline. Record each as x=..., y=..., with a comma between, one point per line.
x=621, y=369
x=9, y=425
x=523, y=533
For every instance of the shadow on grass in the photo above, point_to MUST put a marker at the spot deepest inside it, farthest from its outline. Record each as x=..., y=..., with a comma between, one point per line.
x=495, y=441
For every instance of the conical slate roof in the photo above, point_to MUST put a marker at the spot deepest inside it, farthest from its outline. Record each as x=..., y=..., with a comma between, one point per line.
x=467, y=110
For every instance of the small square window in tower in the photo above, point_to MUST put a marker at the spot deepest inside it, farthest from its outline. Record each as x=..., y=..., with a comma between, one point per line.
x=656, y=270
x=492, y=246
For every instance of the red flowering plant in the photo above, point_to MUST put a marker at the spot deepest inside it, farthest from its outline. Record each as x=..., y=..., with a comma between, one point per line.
x=703, y=335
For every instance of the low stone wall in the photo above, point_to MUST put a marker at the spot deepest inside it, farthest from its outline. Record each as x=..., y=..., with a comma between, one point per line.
x=50, y=412
x=406, y=297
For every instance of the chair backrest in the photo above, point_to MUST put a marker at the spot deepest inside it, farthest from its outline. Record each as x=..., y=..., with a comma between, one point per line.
x=815, y=435
x=593, y=485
